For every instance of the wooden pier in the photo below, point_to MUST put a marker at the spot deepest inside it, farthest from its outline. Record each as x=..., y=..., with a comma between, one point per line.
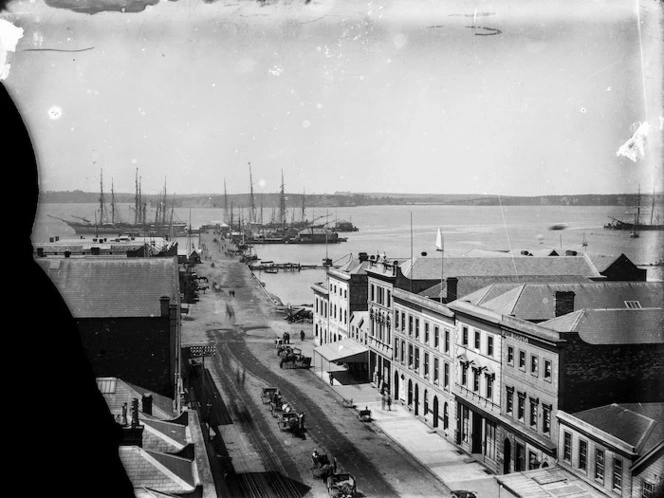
x=269, y=267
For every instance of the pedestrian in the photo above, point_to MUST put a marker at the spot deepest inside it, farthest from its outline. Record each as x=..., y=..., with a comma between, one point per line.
x=331, y=379
x=281, y=363
x=382, y=401
x=301, y=417
x=389, y=402
x=302, y=335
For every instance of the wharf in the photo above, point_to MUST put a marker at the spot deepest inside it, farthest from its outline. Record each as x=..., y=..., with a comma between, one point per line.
x=275, y=267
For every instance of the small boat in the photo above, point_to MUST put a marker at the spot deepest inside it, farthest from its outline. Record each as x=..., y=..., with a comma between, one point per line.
x=558, y=226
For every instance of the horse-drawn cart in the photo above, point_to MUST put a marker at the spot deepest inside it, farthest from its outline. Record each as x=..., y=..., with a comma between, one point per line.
x=268, y=394
x=342, y=485
x=321, y=467
x=364, y=415
x=288, y=422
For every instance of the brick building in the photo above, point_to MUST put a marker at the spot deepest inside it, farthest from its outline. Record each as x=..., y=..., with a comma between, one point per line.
x=127, y=312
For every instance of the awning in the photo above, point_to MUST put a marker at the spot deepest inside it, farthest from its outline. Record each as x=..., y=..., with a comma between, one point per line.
x=346, y=351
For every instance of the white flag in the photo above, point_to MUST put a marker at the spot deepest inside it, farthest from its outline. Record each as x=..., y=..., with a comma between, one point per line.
x=439, y=240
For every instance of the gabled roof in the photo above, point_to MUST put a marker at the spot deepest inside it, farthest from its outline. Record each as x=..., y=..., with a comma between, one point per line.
x=163, y=435
x=157, y=471
x=613, y=326
x=640, y=425
x=98, y=287
x=422, y=268
x=537, y=302
x=354, y=267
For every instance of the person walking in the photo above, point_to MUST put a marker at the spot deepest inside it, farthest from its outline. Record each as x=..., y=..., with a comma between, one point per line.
x=382, y=401
x=389, y=402
x=302, y=335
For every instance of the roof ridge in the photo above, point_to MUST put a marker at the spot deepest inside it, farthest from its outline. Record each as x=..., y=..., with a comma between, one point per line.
x=162, y=435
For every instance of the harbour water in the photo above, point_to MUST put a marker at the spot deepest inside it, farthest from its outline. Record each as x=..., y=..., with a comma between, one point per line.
x=402, y=231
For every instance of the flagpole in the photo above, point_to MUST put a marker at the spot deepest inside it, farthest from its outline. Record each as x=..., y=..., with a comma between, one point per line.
x=412, y=270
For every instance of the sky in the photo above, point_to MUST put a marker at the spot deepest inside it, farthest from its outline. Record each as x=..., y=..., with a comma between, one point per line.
x=509, y=97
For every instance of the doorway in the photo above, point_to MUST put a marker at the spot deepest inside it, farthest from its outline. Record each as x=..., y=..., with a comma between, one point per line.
x=507, y=463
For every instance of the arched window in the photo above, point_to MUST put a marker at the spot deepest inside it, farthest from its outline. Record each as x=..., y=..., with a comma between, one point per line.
x=446, y=416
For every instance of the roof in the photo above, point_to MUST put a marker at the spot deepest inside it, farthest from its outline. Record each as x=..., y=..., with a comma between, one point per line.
x=157, y=471
x=354, y=267
x=116, y=392
x=536, y=301
x=422, y=268
x=640, y=425
x=346, y=350
x=96, y=287
x=163, y=435
x=613, y=326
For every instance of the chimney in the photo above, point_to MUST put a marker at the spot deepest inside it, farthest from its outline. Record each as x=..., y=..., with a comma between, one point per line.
x=164, y=302
x=564, y=302
x=40, y=252
x=134, y=412
x=424, y=254
x=363, y=256
x=452, y=284
x=132, y=435
x=147, y=404
x=67, y=254
x=95, y=251
x=124, y=414
x=571, y=252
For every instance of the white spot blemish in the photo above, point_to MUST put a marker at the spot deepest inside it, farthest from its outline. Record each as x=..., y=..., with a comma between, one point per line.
x=54, y=112
x=306, y=124
x=583, y=110
x=608, y=89
x=276, y=70
x=213, y=85
x=134, y=161
x=319, y=106
x=399, y=40
x=261, y=183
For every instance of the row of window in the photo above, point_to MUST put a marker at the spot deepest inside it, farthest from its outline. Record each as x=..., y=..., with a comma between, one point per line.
x=534, y=363
x=412, y=361
x=325, y=307
x=600, y=459
x=476, y=374
x=380, y=295
x=411, y=325
x=477, y=341
x=338, y=291
x=533, y=412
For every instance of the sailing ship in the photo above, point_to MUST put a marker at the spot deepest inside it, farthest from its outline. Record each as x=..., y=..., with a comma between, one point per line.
x=634, y=227
x=163, y=225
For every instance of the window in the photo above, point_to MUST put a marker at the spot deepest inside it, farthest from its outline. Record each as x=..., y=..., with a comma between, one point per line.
x=521, y=406
x=477, y=339
x=417, y=359
x=410, y=324
x=396, y=348
x=533, y=462
x=547, y=370
x=533, y=413
x=489, y=345
x=522, y=360
x=446, y=376
x=534, y=365
x=403, y=321
x=632, y=304
x=567, y=447
x=546, y=419
x=373, y=292
x=510, y=356
x=417, y=328
x=464, y=374
x=465, y=336
x=410, y=355
x=509, y=400
x=599, y=465
x=476, y=380
x=489, y=386
x=435, y=370
x=396, y=320
x=447, y=341
x=583, y=455
x=426, y=332
x=436, y=336
x=426, y=365
x=403, y=347
x=389, y=299
x=648, y=490
x=617, y=474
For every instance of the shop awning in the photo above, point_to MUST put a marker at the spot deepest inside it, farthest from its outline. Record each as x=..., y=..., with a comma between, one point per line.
x=346, y=351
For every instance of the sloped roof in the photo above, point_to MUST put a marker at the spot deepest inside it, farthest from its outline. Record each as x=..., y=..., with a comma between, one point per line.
x=157, y=471
x=640, y=425
x=96, y=287
x=354, y=267
x=536, y=301
x=613, y=326
x=116, y=392
x=422, y=268
x=163, y=436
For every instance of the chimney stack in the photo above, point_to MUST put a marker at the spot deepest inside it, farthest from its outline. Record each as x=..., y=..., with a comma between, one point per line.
x=363, y=256
x=147, y=404
x=124, y=414
x=164, y=302
x=134, y=412
x=564, y=302
x=452, y=284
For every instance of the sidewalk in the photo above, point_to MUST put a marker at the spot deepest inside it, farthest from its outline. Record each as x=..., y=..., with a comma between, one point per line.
x=452, y=466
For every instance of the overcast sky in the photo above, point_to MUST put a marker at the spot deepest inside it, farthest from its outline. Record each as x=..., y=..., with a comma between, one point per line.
x=497, y=96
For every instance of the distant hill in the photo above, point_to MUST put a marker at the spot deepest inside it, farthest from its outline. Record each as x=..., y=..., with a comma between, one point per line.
x=348, y=199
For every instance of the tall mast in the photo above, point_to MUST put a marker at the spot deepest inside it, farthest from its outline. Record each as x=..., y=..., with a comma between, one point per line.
x=261, y=220
x=282, y=202
x=101, y=197
x=137, y=205
x=252, y=209
x=652, y=206
x=226, y=204
x=112, y=202
x=231, y=216
x=638, y=207
x=303, y=206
